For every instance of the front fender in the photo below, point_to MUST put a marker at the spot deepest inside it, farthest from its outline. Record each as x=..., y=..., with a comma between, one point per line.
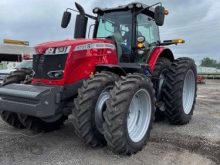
x=156, y=54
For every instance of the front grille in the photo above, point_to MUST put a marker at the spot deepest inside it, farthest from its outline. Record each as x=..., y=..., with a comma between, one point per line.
x=42, y=64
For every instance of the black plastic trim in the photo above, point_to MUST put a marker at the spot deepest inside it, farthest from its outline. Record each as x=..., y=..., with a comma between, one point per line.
x=124, y=68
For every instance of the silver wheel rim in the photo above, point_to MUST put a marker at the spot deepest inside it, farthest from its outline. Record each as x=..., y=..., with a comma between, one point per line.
x=100, y=107
x=139, y=116
x=188, y=91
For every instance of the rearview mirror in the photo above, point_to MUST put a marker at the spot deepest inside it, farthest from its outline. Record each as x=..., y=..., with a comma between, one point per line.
x=66, y=19
x=159, y=15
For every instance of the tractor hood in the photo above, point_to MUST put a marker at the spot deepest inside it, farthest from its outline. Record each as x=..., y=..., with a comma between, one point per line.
x=41, y=48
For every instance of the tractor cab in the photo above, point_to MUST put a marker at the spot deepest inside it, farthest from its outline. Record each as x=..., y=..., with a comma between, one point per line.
x=133, y=28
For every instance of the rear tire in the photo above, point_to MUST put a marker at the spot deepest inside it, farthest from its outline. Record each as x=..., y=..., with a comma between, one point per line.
x=159, y=79
x=89, y=107
x=15, y=77
x=132, y=101
x=180, y=91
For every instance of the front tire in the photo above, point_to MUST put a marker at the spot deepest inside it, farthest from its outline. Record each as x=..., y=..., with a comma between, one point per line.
x=130, y=114
x=180, y=91
x=89, y=107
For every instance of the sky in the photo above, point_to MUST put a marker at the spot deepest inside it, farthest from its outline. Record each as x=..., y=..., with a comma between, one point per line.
x=39, y=21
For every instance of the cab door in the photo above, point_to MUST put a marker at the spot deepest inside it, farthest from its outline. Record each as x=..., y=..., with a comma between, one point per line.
x=147, y=28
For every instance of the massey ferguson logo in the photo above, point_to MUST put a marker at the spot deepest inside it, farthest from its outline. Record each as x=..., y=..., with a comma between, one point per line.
x=50, y=51
x=94, y=46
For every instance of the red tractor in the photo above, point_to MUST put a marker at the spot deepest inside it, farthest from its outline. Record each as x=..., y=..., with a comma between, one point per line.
x=114, y=84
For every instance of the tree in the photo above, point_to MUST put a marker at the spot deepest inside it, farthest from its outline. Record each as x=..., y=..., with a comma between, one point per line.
x=208, y=62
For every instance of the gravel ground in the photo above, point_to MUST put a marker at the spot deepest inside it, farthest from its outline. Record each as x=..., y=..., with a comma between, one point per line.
x=197, y=143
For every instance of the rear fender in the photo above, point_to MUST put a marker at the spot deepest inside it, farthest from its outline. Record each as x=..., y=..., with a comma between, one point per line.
x=156, y=54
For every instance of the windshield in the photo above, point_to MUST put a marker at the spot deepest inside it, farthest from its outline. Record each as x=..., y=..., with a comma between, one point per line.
x=113, y=22
x=25, y=64
x=147, y=27
x=117, y=25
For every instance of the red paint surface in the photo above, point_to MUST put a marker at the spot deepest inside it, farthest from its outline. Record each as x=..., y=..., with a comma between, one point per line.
x=155, y=54
x=79, y=64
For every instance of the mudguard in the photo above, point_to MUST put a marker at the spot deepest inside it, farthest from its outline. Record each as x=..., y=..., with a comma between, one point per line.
x=156, y=54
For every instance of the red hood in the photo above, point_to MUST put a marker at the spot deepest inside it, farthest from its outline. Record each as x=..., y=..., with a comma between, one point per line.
x=41, y=48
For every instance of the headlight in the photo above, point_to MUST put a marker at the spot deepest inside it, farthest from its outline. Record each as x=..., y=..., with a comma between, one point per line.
x=58, y=50
x=56, y=74
x=50, y=51
x=62, y=50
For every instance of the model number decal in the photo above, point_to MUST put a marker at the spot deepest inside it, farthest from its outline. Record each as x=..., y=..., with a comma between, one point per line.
x=94, y=46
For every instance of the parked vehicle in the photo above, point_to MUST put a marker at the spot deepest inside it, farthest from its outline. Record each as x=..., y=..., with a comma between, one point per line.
x=200, y=79
x=6, y=72
x=117, y=79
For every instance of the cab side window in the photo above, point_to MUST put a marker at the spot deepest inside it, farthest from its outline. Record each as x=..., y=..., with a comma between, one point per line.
x=147, y=28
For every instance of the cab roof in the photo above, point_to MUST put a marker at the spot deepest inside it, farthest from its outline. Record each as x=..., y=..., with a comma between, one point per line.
x=130, y=6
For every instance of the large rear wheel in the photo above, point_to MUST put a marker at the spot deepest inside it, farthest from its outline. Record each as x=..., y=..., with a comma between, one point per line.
x=19, y=76
x=130, y=114
x=89, y=107
x=180, y=91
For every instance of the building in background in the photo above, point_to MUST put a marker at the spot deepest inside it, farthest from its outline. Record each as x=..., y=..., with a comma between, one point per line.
x=208, y=72
x=13, y=52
